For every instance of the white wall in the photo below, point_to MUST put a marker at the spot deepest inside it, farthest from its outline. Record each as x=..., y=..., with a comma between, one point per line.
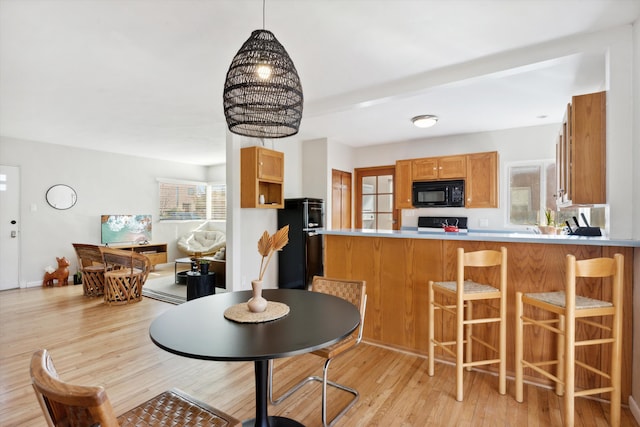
x=105, y=183
x=314, y=169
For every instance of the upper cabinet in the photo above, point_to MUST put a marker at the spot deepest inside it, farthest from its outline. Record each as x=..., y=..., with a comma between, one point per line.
x=261, y=178
x=403, y=182
x=438, y=168
x=481, y=184
x=581, y=152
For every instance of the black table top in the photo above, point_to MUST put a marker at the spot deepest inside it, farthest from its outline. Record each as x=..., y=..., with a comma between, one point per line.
x=198, y=328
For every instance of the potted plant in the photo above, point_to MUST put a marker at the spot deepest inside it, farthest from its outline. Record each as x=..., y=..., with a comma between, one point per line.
x=550, y=227
x=204, y=266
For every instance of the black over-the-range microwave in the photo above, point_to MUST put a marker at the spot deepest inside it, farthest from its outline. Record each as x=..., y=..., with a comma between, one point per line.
x=438, y=193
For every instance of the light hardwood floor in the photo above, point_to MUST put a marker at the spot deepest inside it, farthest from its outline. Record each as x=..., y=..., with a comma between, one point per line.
x=92, y=343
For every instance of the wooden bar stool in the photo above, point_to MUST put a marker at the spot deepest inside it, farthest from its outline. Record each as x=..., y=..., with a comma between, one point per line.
x=465, y=293
x=600, y=323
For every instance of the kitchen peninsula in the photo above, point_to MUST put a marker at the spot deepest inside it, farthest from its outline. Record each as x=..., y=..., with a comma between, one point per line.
x=398, y=264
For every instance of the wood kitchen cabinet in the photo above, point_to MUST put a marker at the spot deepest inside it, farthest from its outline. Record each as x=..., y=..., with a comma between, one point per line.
x=403, y=183
x=581, y=152
x=261, y=174
x=439, y=168
x=481, y=184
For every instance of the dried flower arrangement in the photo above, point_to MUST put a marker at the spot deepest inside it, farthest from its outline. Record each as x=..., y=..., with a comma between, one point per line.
x=267, y=245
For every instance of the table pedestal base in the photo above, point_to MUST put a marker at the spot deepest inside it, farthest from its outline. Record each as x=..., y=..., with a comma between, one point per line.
x=261, y=368
x=275, y=422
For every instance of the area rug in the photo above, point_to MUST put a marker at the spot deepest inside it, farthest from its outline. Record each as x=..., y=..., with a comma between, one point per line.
x=165, y=289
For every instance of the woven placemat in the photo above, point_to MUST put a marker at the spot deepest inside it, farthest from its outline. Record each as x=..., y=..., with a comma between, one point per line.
x=240, y=313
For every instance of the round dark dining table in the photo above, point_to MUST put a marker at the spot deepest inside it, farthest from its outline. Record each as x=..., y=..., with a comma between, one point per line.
x=198, y=329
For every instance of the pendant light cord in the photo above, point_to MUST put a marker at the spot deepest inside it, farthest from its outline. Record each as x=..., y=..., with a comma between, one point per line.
x=263, y=12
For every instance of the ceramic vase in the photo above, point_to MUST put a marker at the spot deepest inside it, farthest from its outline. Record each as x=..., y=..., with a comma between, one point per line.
x=257, y=304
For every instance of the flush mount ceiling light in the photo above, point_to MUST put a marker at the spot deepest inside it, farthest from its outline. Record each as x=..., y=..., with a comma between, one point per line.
x=262, y=95
x=425, y=121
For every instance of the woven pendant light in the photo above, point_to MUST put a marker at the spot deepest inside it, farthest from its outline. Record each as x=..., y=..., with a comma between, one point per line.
x=262, y=93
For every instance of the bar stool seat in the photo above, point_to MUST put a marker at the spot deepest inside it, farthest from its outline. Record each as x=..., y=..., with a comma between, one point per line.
x=470, y=287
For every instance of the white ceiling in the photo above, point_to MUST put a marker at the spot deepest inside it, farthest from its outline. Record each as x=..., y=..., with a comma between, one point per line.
x=145, y=77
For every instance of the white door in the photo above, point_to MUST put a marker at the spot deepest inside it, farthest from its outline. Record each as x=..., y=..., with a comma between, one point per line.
x=9, y=227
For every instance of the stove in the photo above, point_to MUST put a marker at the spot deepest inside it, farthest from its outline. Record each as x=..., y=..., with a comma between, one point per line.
x=434, y=224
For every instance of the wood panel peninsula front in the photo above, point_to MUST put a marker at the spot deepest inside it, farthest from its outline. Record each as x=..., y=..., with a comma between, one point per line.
x=398, y=264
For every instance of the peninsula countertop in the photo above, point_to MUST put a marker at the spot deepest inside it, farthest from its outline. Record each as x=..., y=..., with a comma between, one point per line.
x=488, y=236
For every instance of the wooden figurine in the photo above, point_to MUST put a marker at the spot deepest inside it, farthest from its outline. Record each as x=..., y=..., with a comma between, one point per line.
x=61, y=274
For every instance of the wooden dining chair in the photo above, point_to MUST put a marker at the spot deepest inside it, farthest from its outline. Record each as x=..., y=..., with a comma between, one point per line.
x=578, y=322
x=465, y=294
x=91, y=266
x=125, y=272
x=353, y=291
x=71, y=405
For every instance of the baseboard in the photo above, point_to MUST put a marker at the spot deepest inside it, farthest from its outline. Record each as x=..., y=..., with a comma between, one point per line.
x=634, y=408
x=38, y=284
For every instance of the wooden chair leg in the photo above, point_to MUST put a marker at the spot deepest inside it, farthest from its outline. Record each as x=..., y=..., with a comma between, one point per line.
x=616, y=369
x=569, y=370
x=560, y=355
x=502, y=349
x=468, y=334
x=459, y=350
x=519, y=345
x=431, y=330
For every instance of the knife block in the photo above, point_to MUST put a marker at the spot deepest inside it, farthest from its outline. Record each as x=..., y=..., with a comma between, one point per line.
x=587, y=231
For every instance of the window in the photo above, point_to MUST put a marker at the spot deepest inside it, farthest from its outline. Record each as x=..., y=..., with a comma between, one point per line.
x=531, y=193
x=526, y=190
x=182, y=200
x=218, y=203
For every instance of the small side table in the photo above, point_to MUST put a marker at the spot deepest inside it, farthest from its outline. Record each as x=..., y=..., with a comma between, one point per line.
x=186, y=260
x=200, y=285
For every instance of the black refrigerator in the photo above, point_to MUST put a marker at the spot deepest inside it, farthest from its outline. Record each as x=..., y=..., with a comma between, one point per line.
x=301, y=258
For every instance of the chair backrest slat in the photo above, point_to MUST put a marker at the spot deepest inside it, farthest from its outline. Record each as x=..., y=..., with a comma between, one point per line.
x=87, y=254
x=596, y=267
